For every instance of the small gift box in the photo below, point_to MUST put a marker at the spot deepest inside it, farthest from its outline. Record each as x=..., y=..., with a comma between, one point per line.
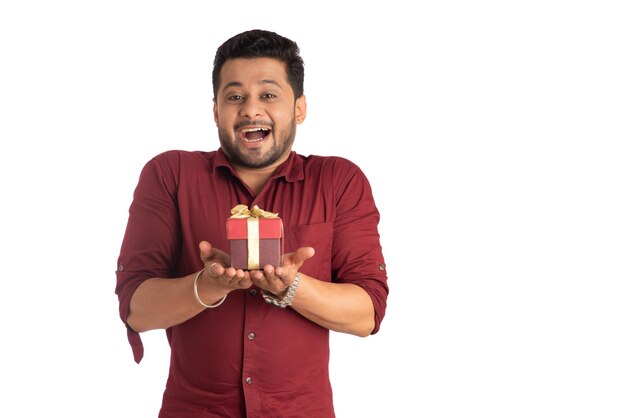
x=256, y=238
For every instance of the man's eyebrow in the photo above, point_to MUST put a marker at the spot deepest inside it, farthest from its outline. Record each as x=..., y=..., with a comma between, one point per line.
x=233, y=84
x=270, y=82
x=264, y=81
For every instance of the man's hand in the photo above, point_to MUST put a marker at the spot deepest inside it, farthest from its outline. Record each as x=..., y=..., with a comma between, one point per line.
x=276, y=280
x=215, y=272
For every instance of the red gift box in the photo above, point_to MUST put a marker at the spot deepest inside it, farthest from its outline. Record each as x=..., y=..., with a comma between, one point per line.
x=254, y=241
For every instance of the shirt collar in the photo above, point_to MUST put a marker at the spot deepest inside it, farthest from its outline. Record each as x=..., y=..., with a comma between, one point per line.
x=292, y=169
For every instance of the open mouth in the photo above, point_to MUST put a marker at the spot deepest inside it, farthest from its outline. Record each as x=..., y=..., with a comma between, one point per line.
x=254, y=134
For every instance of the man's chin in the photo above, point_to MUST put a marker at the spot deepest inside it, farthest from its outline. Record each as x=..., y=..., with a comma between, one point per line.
x=254, y=159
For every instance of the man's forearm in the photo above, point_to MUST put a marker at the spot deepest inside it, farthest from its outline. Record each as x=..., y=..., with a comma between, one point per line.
x=162, y=303
x=339, y=307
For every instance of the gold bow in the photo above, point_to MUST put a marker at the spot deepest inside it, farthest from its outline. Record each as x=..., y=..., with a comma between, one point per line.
x=242, y=211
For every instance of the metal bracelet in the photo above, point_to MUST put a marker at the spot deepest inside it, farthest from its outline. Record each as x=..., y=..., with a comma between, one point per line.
x=287, y=299
x=195, y=291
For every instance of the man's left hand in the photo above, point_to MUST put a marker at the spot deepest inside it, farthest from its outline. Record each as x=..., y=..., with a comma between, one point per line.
x=276, y=280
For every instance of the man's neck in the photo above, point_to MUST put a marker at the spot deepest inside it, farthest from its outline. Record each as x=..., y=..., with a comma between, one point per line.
x=257, y=178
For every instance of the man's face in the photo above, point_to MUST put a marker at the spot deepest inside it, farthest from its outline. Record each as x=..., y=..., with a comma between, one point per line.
x=256, y=112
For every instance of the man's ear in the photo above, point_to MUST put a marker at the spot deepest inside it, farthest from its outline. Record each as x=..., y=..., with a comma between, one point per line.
x=301, y=109
x=215, y=111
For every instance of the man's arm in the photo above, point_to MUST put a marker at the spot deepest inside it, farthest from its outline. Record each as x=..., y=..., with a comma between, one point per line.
x=341, y=307
x=162, y=303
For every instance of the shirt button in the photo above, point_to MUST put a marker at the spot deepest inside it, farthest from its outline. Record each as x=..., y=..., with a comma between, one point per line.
x=249, y=380
x=381, y=266
x=251, y=336
x=121, y=267
x=253, y=292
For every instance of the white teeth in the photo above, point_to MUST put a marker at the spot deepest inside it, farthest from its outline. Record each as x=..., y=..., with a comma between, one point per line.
x=246, y=130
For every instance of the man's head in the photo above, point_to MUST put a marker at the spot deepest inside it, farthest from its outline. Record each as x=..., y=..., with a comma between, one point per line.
x=262, y=44
x=258, y=102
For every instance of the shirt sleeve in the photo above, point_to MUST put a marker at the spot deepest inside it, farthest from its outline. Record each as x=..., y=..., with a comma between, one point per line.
x=151, y=240
x=357, y=253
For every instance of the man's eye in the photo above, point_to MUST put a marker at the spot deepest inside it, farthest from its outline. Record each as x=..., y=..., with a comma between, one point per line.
x=269, y=96
x=235, y=97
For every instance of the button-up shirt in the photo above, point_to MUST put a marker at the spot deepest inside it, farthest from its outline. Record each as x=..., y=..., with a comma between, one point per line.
x=247, y=357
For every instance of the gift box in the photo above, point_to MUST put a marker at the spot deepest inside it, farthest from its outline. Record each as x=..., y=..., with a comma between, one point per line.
x=256, y=238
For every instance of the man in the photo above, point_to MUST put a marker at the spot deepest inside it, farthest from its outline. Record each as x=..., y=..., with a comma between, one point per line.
x=233, y=353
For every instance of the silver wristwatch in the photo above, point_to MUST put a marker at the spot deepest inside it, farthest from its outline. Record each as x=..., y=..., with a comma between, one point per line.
x=287, y=299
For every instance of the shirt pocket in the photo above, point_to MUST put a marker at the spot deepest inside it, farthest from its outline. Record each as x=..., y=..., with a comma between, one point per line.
x=320, y=237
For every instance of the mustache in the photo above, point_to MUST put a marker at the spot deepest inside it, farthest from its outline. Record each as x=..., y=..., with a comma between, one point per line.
x=260, y=122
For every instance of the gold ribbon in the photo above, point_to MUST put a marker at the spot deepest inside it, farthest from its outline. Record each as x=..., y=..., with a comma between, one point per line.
x=242, y=211
x=252, y=216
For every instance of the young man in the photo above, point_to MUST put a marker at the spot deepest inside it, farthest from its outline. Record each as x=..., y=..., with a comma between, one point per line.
x=234, y=351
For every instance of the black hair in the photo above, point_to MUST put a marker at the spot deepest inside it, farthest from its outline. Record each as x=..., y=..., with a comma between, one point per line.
x=262, y=44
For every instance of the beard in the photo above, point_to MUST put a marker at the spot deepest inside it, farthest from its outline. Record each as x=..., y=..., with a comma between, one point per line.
x=256, y=158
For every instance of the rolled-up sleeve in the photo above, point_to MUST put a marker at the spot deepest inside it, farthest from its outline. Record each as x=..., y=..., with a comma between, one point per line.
x=357, y=253
x=151, y=241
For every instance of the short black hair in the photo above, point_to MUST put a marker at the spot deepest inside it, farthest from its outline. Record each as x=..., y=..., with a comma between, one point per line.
x=262, y=44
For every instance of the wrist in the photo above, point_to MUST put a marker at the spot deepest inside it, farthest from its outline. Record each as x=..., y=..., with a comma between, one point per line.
x=197, y=295
x=288, y=295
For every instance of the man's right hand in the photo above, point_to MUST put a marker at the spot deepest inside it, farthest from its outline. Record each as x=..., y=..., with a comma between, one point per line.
x=216, y=274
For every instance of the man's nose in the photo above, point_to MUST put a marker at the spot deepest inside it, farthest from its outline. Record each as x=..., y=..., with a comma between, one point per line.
x=252, y=108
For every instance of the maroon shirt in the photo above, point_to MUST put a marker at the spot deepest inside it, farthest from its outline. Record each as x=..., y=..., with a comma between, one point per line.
x=246, y=356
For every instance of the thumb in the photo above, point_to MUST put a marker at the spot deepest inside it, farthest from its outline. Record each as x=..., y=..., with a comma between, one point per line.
x=210, y=253
x=302, y=254
x=206, y=251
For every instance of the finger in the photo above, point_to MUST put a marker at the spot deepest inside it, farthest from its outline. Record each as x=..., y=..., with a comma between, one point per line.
x=276, y=277
x=267, y=276
x=261, y=279
x=283, y=273
x=304, y=253
x=299, y=256
x=234, y=276
x=230, y=272
x=269, y=270
x=241, y=282
x=216, y=269
x=257, y=275
x=208, y=252
x=205, y=251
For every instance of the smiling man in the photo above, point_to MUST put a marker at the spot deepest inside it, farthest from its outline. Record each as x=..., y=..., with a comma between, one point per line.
x=251, y=342
x=256, y=111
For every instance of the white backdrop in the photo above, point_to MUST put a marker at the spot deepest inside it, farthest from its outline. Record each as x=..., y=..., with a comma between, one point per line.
x=493, y=135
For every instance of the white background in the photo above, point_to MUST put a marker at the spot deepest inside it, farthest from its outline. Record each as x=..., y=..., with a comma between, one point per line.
x=493, y=135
